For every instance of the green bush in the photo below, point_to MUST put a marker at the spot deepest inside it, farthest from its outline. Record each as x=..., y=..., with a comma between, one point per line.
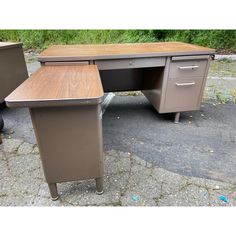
x=40, y=39
x=219, y=39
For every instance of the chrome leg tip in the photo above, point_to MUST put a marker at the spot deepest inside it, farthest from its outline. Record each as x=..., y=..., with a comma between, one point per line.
x=99, y=193
x=54, y=198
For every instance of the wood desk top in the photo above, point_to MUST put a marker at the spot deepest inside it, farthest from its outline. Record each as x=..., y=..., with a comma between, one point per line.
x=59, y=86
x=112, y=51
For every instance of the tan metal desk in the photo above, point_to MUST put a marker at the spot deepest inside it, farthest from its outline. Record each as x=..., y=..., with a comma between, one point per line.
x=172, y=75
x=64, y=97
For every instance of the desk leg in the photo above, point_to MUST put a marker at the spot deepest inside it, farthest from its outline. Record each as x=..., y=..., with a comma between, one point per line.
x=53, y=191
x=177, y=116
x=99, y=185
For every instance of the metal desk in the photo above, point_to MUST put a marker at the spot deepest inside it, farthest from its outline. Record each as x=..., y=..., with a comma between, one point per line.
x=64, y=97
x=172, y=75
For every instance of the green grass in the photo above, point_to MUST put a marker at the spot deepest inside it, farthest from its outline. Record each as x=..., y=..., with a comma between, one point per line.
x=40, y=39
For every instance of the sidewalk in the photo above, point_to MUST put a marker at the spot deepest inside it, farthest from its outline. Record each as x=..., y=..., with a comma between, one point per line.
x=129, y=181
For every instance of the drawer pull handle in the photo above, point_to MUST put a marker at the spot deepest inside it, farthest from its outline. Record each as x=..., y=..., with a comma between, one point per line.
x=185, y=84
x=188, y=67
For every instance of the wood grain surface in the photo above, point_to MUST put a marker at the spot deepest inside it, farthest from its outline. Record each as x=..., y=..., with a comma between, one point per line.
x=58, y=86
x=112, y=51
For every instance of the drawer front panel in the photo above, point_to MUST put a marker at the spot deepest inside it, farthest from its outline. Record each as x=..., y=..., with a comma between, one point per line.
x=186, y=69
x=183, y=94
x=130, y=63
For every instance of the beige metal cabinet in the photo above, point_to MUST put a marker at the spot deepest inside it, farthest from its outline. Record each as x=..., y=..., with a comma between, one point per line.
x=13, y=69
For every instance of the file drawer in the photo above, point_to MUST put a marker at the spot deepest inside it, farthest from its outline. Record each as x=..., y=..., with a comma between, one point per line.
x=188, y=68
x=183, y=94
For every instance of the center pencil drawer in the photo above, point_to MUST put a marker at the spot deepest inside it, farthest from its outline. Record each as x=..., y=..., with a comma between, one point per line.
x=130, y=63
x=188, y=68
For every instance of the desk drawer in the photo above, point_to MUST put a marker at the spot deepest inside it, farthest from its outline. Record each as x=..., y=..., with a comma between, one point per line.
x=130, y=63
x=183, y=94
x=188, y=68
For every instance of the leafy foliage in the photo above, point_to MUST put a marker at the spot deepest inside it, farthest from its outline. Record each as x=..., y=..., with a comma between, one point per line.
x=219, y=39
x=40, y=39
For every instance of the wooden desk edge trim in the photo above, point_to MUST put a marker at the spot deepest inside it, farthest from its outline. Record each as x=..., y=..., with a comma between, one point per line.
x=123, y=56
x=54, y=102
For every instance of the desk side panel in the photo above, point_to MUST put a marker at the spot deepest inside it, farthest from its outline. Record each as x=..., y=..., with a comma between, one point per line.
x=70, y=142
x=204, y=82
